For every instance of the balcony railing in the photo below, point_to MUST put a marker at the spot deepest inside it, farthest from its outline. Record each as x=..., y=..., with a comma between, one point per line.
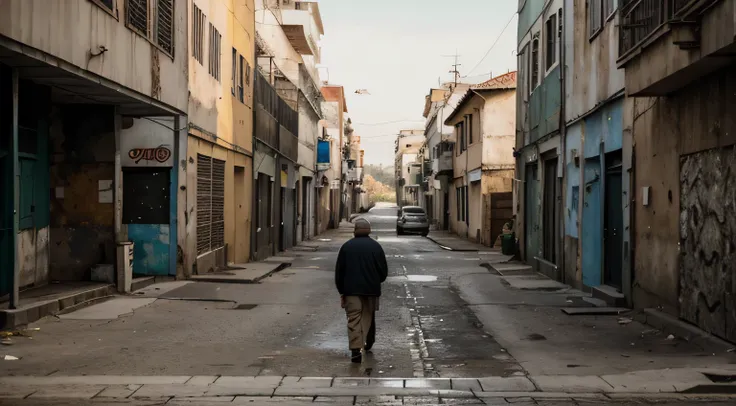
x=641, y=18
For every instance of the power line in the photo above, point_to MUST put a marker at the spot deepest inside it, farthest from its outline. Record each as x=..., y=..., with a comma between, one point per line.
x=390, y=122
x=492, y=46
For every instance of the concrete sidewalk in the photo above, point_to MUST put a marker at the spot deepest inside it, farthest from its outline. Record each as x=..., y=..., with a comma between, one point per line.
x=453, y=242
x=252, y=272
x=671, y=384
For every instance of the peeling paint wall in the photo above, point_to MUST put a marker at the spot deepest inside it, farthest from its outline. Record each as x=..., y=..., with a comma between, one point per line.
x=82, y=162
x=708, y=240
x=665, y=130
x=33, y=255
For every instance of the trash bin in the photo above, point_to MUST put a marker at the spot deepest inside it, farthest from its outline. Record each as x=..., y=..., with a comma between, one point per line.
x=508, y=243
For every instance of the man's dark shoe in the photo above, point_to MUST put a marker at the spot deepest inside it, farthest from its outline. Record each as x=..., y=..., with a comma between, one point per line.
x=356, y=356
x=369, y=345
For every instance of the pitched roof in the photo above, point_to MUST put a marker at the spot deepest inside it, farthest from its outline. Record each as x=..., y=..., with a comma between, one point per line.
x=503, y=82
x=334, y=93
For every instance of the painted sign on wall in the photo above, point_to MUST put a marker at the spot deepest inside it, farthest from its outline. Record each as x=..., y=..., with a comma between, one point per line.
x=147, y=143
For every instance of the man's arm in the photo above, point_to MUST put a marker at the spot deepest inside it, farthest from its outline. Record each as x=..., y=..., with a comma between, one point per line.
x=382, y=264
x=339, y=272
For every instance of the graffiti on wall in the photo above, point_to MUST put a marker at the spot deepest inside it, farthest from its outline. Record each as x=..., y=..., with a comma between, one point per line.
x=708, y=240
x=159, y=154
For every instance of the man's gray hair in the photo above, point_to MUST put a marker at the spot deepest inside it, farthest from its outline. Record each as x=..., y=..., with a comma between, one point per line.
x=362, y=227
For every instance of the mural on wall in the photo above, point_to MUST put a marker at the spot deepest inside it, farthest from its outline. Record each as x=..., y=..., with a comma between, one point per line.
x=708, y=240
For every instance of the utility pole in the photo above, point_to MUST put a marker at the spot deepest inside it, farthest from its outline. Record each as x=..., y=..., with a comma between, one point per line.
x=455, y=71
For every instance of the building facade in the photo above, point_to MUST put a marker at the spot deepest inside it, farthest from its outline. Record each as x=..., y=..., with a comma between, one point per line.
x=679, y=76
x=78, y=140
x=408, y=167
x=483, y=160
x=539, y=99
x=335, y=110
x=220, y=146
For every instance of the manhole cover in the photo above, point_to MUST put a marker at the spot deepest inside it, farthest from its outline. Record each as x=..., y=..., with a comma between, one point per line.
x=244, y=307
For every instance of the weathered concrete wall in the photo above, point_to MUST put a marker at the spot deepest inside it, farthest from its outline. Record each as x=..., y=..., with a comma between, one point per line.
x=82, y=171
x=665, y=129
x=33, y=256
x=595, y=77
x=72, y=30
x=708, y=240
x=499, y=123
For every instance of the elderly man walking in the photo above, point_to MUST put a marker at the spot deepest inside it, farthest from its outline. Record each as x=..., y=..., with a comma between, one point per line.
x=361, y=268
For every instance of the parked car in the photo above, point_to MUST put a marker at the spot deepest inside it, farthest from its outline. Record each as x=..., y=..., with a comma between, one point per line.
x=412, y=219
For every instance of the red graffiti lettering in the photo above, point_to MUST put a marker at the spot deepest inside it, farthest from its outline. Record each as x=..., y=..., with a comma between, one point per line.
x=159, y=154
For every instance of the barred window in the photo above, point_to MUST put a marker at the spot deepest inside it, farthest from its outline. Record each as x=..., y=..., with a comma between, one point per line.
x=198, y=20
x=210, y=204
x=214, y=63
x=241, y=93
x=153, y=19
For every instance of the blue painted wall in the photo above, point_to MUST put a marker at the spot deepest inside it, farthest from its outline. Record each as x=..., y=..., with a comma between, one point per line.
x=151, y=251
x=592, y=237
x=174, y=181
x=604, y=126
x=572, y=180
x=528, y=14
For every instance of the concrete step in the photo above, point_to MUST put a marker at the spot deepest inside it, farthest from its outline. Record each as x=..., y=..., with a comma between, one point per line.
x=610, y=295
x=142, y=282
x=60, y=297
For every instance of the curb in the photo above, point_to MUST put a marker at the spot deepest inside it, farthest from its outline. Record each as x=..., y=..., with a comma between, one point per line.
x=212, y=279
x=679, y=328
x=444, y=247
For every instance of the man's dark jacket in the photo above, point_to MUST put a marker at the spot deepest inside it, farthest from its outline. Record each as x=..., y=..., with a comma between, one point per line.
x=361, y=268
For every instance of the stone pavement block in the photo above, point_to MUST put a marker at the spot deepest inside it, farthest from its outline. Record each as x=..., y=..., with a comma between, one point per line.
x=200, y=400
x=525, y=400
x=202, y=380
x=354, y=391
x=67, y=391
x=222, y=390
x=466, y=384
x=463, y=401
x=93, y=380
x=249, y=381
x=16, y=391
x=571, y=384
x=306, y=382
x=387, y=382
x=174, y=390
x=118, y=391
x=665, y=380
x=266, y=400
x=430, y=383
x=350, y=382
x=339, y=400
x=511, y=384
x=377, y=400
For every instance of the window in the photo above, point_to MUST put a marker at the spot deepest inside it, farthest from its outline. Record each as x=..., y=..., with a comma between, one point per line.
x=153, y=19
x=609, y=7
x=247, y=73
x=551, y=37
x=469, y=128
x=460, y=134
x=108, y=5
x=234, y=72
x=466, y=210
x=214, y=62
x=462, y=203
x=210, y=204
x=524, y=76
x=535, y=64
x=595, y=17
x=198, y=19
x=241, y=93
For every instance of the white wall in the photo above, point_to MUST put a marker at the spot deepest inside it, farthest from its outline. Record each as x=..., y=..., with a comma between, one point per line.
x=499, y=124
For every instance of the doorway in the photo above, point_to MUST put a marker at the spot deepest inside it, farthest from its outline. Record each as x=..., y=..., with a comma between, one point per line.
x=240, y=253
x=531, y=222
x=613, y=222
x=446, y=212
x=550, y=210
x=305, y=209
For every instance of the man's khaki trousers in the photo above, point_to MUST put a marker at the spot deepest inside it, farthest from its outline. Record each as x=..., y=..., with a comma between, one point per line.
x=360, y=311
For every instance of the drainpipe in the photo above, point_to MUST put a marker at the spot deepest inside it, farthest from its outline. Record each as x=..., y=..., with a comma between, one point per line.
x=563, y=139
x=15, y=292
x=254, y=185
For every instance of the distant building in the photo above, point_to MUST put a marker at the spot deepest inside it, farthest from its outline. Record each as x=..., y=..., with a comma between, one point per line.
x=407, y=170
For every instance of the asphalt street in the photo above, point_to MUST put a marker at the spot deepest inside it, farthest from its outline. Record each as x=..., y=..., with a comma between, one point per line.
x=442, y=314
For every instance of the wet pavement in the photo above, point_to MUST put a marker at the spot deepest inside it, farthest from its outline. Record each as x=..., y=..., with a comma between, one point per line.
x=443, y=314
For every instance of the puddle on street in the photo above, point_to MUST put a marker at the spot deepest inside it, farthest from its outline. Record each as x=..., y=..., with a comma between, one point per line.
x=421, y=278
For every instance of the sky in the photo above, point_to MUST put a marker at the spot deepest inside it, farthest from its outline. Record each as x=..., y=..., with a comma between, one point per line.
x=397, y=50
